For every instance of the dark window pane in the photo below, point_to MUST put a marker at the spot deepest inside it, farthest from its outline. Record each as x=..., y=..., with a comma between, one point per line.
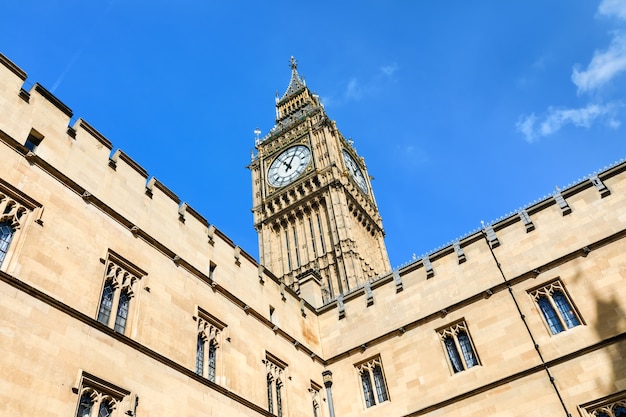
x=122, y=312
x=550, y=315
x=212, y=361
x=84, y=406
x=619, y=411
x=453, y=354
x=200, y=355
x=367, y=388
x=270, y=396
x=279, y=399
x=106, y=303
x=466, y=348
x=567, y=313
x=106, y=410
x=6, y=234
x=379, y=382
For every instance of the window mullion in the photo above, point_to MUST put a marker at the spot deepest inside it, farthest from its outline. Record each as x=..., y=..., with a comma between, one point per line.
x=460, y=350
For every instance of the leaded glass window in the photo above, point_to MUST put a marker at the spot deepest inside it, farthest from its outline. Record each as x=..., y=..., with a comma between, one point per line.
x=369, y=371
x=6, y=235
x=200, y=355
x=466, y=348
x=379, y=382
x=207, y=343
x=368, y=393
x=279, y=398
x=84, y=405
x=453, y=354
x=270, y=395
x=565, y=309
x=212, y=361
x=555, y=307
x=274, y=373
x=120, y=280
x=106, y=303
x=122, y=312
x=106, y=409
x=458, y=347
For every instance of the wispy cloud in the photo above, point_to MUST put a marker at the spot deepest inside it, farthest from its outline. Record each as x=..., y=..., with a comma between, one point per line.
x=615, y=8
x=353, y=90
x=357, y=88
x=604, y=66
x=390, y=69
x=533, y=127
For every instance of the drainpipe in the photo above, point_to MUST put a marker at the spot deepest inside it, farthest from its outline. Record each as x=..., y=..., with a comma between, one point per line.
x=327, y=377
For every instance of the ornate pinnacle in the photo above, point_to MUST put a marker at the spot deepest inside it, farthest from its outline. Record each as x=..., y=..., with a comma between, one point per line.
x=293, y=63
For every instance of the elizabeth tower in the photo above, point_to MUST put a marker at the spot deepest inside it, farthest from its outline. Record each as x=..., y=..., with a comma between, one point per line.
x=313, y=205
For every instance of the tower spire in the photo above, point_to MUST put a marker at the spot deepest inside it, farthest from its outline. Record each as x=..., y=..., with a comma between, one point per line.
x=296, y=83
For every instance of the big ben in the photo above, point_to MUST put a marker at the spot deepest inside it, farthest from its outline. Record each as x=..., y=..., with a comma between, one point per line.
x=313, y=203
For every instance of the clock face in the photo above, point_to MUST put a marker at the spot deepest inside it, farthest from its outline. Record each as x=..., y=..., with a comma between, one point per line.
x=288, y=166
x=355, y=171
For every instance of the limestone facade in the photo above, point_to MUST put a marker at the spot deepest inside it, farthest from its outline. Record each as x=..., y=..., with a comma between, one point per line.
x=117, y=297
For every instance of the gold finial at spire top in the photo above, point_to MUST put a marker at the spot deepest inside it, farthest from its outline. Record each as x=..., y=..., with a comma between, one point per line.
x=293, y=63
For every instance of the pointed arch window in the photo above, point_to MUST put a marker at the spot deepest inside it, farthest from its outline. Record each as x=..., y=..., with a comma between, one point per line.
x=14, y=208
x=315, y=398
x=555, y=306
x=611, y=406
x=373, y=382
x=458, y=347
x=209, y=339
x=275, y=374
x=99, y=398
x=120, y=283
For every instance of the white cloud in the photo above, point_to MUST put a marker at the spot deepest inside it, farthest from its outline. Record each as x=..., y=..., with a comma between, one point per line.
x=353, y=90
x=604, y=66
x=615, y=8
x=389, y=70
x=533, y=128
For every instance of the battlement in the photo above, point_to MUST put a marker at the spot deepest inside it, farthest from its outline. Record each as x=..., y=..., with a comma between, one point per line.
x=88, y=165
x=533, y=241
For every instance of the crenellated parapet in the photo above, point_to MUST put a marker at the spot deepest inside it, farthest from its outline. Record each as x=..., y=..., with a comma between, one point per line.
x=143, y=212
x=537, y=240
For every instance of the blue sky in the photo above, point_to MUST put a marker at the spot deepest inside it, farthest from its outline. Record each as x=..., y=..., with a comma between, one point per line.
x=464, y=111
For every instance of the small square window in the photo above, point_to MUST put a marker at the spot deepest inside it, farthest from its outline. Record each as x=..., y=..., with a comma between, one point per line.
x=33, y=140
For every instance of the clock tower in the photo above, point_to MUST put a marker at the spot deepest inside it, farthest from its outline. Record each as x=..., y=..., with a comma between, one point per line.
x=313, y=204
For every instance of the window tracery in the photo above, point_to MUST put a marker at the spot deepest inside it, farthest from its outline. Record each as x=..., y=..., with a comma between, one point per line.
x=372, y=370
x=119, y=288
x=207, y=344
x=99, y=398
x=12, y=216
x=274, y=370
x=555, y=307
x=458, y=347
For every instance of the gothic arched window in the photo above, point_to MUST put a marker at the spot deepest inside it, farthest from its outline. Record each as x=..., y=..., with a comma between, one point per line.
x=556, y=309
